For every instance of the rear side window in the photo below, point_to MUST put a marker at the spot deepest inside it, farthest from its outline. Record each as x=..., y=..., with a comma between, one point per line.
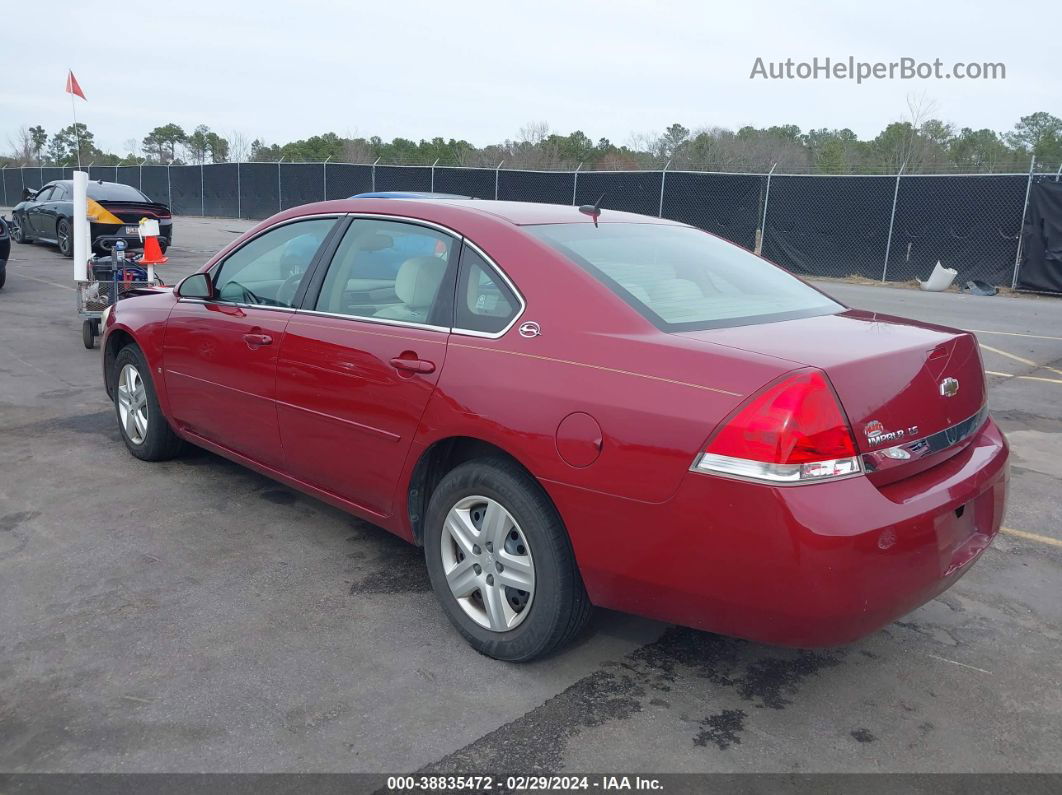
x=389, y=270
x=683, y=279
x=484, y=302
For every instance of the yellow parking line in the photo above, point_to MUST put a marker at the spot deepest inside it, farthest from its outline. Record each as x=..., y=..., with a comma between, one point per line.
x=1021, y=359
x=1016, y=334
x=1025, y=377
x=1054, y=542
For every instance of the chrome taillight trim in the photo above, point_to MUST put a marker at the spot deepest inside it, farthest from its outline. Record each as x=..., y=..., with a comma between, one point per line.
x=915, y=449
x=774, y=474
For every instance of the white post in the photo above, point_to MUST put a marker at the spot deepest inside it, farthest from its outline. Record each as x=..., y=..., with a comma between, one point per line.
x=1021, y=228
x=497, y=171
x=280, y=196
x=892, y=222
x=763, y=220
x=81, y=226
x=663, y=178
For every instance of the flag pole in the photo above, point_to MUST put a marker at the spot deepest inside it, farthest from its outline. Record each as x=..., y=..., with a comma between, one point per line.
x=77, y=133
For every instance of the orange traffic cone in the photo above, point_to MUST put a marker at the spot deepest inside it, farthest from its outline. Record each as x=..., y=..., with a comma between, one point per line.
x=152, y=252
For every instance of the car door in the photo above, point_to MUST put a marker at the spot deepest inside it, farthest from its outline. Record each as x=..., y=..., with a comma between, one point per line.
x=219, y=356
x=361, y=358
x=36, y=212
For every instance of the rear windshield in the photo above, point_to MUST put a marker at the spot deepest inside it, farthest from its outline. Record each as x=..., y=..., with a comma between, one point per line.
x=683, y=279
x=115, y=192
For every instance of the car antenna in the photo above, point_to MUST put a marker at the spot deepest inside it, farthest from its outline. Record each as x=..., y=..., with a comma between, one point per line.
x=593, y=210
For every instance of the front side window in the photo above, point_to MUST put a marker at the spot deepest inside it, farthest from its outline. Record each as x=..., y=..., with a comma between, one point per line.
x=45, y=194
x=387, y=270
x=683, y=279
x=484, y=301
x=269, y=269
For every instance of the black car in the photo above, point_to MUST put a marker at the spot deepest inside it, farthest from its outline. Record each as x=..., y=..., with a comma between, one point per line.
x=5, y=250
x=114, y=212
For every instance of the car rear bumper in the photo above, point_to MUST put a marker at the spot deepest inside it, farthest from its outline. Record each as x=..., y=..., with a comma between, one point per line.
x=810, y=565
x=104, y=236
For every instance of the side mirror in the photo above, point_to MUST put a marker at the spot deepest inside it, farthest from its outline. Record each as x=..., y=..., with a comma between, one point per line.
x=198, y=285
x=27, y=194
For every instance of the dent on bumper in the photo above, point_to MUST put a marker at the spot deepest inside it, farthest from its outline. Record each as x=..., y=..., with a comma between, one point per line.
x=814, y=565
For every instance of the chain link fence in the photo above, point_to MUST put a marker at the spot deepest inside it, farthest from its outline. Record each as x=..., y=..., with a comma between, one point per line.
x=882, y=227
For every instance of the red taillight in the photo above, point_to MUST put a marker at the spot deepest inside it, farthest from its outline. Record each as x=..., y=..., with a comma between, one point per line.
x=791, y=432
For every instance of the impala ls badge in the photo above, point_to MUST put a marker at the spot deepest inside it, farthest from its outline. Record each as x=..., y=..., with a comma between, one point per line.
x=876, y=433
x=949, y=387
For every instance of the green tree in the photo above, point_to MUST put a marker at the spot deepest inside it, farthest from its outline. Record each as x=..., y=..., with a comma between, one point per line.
x=161, y=143
x=673, y=139
x=1039, y=134
x=39, y=140
x=63, y=150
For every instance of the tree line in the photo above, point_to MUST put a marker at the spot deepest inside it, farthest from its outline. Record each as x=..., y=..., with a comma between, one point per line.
x=918, y=144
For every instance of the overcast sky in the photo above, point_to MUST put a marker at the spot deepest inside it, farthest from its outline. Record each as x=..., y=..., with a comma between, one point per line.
x=482, y=70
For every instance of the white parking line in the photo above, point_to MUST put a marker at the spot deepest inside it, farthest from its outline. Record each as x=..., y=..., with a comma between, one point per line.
x=1025, y=377
x=1015, y=334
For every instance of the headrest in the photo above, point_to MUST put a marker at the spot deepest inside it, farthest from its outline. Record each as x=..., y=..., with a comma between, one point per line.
x=418, y=280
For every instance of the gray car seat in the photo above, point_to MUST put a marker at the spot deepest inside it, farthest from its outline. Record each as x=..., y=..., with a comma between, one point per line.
x=416, y=284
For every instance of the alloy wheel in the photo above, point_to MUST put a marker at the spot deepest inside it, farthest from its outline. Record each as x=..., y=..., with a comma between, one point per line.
x=62, y=231
x=132, y=404
x=488, y=564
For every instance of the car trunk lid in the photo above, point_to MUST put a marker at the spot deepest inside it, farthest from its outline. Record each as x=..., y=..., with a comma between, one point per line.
x=899, y=381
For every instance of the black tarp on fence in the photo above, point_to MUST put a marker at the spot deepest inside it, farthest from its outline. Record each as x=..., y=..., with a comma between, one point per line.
x=969, y=223
x=728, y=205
x=828, y=226
x=1041, y=249
x=815, y=225
x=475, y=182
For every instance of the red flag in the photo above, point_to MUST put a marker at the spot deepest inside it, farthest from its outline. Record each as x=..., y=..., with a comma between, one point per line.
x=72, y=87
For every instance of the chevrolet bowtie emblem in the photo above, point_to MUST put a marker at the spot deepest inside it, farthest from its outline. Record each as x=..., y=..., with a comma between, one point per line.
x=949, y=387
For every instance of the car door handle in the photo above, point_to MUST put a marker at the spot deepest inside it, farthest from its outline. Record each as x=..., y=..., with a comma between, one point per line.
x=254, y=340
x=413, y=365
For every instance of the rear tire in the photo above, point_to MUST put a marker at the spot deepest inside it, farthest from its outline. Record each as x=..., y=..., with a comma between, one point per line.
x=89, y=330
x=146, y=432
x=527, y=622
x=63, y=237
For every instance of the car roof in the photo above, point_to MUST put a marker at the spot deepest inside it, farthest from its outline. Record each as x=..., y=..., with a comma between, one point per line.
x=518, y=213
x=404, y=194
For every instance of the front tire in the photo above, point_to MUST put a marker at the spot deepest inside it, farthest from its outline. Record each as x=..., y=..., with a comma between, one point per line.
x=146, y=432
x=63, y=236
x=500, y=562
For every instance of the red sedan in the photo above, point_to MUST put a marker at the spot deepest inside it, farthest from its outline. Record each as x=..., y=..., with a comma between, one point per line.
x=568, y=409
